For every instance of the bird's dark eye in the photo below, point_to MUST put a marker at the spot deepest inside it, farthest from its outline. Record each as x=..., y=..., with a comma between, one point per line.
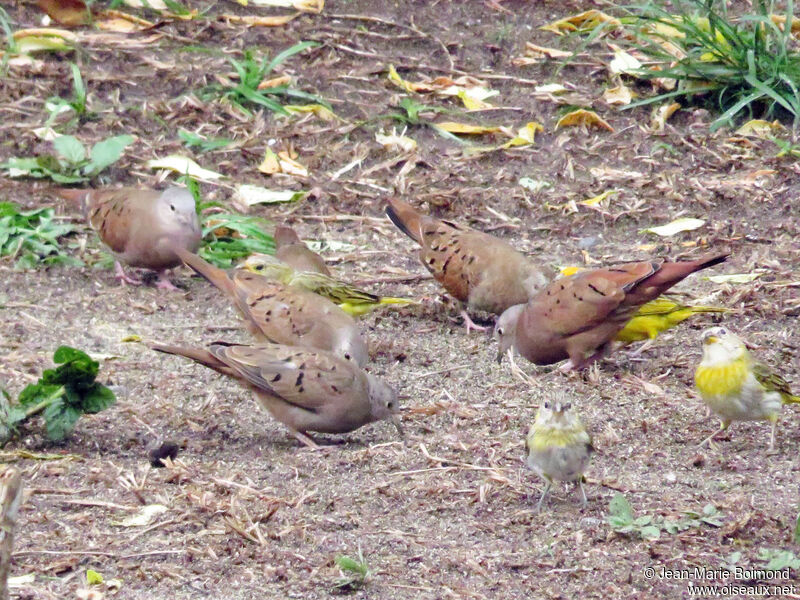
x=547, y=405
x=172, y=207
x=722, y=331
x=347, y=356
x=259, y=267
x=499, y=331
x=567, y=406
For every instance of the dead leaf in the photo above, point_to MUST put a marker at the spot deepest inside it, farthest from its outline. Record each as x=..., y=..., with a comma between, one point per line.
x=274, y=82
x=71, y=13
x=759, y=128
x=658, y=119
x=260, y=21
x=588, y=118
x=281, y=163
x=585, y=21
x=466, y=128
x=676, y=226
x=620, y=94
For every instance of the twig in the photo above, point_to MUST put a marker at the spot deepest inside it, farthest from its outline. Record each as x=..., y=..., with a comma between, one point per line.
x=10, y=499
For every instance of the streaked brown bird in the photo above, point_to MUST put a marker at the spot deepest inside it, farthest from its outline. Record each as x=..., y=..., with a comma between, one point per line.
x=142, y=227
x=476, y=268
x=285, y=314
x=305, y=389
x=292, y=251
x=578, y=317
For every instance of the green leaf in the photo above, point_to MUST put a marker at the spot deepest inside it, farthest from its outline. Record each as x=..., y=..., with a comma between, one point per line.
x=98, y=398
x=797, y=530
x=107, y=152
x=60, y=419
x=651, y=532
x=620, y=509
x=70, y=149
x=93, y=577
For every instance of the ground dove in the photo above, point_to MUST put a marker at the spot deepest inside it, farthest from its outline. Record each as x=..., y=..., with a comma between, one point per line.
x=141, y=227
x=303, y=388
x=293, y=252
x=285, y=314
x=476, y=268
x=578, y=317
x=350, y=299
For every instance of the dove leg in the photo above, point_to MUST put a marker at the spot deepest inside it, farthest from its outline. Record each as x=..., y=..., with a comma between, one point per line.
x=304, y=439
x=120, y=274
x=516, y=371
x=164, y=283
x=470, y=324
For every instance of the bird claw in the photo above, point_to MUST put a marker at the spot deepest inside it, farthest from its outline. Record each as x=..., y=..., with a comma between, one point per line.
x=470, y=324
x=165, y=284
x=516, y=371
x=124, y=278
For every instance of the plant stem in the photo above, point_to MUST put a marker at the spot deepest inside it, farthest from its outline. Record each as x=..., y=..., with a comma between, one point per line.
x=37, y=408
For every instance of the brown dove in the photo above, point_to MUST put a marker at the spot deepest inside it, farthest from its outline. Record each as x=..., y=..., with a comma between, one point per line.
x=141, y=227
x=578, y=317
x=474, y=267
x=285, y=314
x=303, y=388
x=290, y=250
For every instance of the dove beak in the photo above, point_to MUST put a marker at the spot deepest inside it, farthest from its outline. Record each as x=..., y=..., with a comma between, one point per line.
x=500, y=355
x=396, y=422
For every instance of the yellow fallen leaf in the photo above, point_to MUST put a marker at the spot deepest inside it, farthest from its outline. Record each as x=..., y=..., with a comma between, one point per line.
x=567, y=271
x=314, y=6
x=620, y=94
x=597, y=199
x=585, y=21
x=759, y=128
x=34, y=43
x=275, y=82
x=323, y=112
x=542, y=52
x=588, y=118
x=281, y=163
x=472, y=88
x=260, y=21
x=550, y=88
x=394, y=77
x=120, y=22
x=184, y=166
x=623, y=62
x=393, y=140
x=143, y=517
x=71, y=13
x=248, y=195
x=473, y=98
x=525, y=135
x=658, y=119
x=676, y=226
x=465, y=128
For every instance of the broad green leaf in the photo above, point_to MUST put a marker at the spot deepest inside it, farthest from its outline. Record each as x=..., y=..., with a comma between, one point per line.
x=70, y=149
x=60, y=419
x=107, y=152
x=620, y=508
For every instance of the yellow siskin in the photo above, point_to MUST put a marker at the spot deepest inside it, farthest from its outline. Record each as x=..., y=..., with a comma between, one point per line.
x=352, y=300
x=657, y=316
x=559, y=446
x=735, y=387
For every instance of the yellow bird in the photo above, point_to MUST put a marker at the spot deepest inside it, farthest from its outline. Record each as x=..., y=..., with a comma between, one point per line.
x=559, y=447
x=352, y=300
x=735, y=387
x=657, y=316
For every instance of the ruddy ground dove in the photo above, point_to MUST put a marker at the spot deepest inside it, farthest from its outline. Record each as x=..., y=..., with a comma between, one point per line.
x=285, y=314
x=303, y=388
x=476, y=268
x=142, y=227
x=578, y=317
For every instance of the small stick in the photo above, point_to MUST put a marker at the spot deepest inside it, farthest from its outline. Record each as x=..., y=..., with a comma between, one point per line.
x=10, y=499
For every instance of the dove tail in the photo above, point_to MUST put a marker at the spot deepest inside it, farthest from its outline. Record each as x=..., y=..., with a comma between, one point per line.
x=198, y=355
x=671, y=273
x=285, y=236
x=405, y=218
x=216, y=276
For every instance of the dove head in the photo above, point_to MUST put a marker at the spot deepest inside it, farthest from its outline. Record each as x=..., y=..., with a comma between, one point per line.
x=176, y=208
x=383, y=402
x=721, y=347
x=506, y=329
x=351, y=346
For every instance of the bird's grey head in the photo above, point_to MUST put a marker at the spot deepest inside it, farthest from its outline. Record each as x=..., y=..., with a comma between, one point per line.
x=383, y=402
x=505, y=329
x=721, y=346
x=351, y=346
x=176, y=205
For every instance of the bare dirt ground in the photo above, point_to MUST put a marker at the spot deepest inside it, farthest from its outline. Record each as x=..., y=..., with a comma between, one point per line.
x=450, y=512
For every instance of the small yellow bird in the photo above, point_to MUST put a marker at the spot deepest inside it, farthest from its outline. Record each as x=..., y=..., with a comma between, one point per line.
x=657, y=316
x=352, y=300
x=735, y=387
x=559, y=447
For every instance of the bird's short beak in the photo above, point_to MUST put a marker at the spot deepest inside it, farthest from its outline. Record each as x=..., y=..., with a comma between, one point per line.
x=500, y=355
x=396, y=422
x=710, y=339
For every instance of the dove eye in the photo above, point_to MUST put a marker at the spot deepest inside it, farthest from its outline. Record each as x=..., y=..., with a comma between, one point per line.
x=172, y=207
x=347, y=356
x=499, y=331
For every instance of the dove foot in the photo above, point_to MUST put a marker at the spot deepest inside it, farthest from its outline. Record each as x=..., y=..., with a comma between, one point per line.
x=304, y=439
x=164, y=283
x=470, y=324
x=120, y=274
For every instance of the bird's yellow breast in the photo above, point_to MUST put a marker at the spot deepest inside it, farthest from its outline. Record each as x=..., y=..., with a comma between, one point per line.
x=545, y=438
x=721, y=380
